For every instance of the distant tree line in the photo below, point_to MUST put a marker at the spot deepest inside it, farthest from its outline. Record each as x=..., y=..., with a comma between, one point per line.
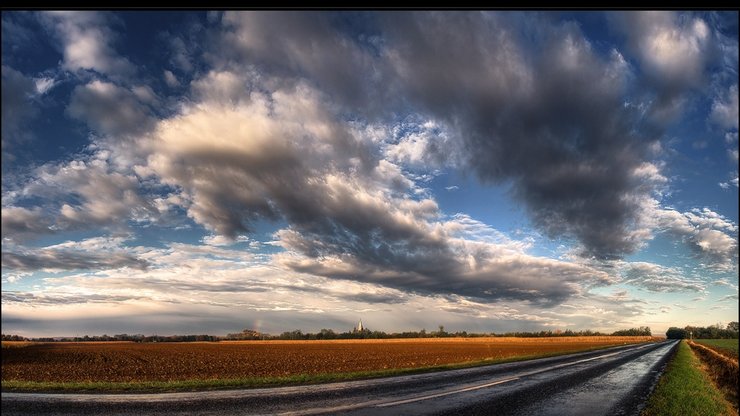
x=325, y=334
x=717, y=331
x=13, y=338
x=634, y=332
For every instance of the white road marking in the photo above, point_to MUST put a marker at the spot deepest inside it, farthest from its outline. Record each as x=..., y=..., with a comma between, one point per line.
x=447, y=393
x=506, y=380
x=381, y=403
x=378, y=403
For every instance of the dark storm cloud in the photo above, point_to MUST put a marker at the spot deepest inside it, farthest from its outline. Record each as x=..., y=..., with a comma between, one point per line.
x=374, y=298
x=544, y=111
x=495, y=278
x=50, y=259
x=259, y=160
x=280, y=151
x=528, y=101
x=285, y=156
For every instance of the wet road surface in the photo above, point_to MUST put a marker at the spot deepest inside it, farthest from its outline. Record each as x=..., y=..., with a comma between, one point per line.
x=614, y=381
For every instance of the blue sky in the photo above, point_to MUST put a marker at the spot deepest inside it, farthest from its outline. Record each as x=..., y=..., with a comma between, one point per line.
x=205, y=172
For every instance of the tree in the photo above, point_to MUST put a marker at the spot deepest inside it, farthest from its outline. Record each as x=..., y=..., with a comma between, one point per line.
x=441, y=332
x=732, y=326
x=641, y=331
x=326, y=334
x=675, y=333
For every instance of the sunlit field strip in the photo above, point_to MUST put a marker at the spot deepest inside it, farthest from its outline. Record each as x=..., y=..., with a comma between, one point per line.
x=173, y=366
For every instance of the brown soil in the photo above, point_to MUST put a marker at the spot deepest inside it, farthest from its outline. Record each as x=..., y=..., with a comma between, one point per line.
x=125, y=362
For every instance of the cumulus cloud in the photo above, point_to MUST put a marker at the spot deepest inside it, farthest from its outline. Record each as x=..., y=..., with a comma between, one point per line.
x=170, y=79
x=306, y=45
x=80, y=194
x=674, y=51
x=571, y=167
x=110, y=109
x=353, y=216
x=332, y=131
x=224, y=87
x=86, y=40
x=488, y=109
x=657, y=278
x=670, y=46
x=725, y=109
x=420, y=144
x=44, y=84
x=709, y=234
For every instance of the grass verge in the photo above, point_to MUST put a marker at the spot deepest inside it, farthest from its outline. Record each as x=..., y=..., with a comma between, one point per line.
x=250, y=382
x=722, y=370
x=684, y=389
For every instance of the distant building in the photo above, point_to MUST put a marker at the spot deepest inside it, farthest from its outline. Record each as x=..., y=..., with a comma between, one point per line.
x=359, y=327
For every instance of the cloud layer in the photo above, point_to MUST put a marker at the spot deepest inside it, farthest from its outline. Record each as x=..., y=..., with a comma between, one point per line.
x=306, y=152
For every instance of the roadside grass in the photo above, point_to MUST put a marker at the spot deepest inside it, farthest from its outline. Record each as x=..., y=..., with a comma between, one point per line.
x=722, y=369
x=685, y=389
x=722, y=345
x=251, y=382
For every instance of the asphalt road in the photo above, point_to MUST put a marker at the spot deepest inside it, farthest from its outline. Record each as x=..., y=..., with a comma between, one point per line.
x=614, y=381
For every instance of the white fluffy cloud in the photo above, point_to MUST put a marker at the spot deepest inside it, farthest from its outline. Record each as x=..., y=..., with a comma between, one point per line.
x=673, y=50
x=88, y=193
x=709, y=234
x=657, y=278
x=86, y=42
x=671, y=47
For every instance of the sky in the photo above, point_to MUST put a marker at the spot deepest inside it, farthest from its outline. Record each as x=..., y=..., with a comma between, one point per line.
x=195, y=172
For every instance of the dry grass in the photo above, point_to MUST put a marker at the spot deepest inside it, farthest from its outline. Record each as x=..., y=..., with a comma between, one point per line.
x=153, y=362
x=722, y=369
x=685, y=389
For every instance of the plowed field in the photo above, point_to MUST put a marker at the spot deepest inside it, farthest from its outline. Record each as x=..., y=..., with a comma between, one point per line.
x=127, y=362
